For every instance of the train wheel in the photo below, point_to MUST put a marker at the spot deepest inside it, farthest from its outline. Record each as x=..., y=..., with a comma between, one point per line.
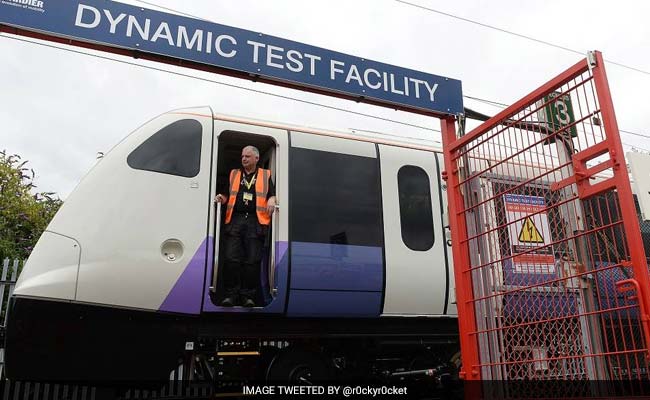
x=299, y=367
x=267, y=355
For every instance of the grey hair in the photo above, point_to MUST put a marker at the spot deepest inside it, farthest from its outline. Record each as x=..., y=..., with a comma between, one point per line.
x=253, y=149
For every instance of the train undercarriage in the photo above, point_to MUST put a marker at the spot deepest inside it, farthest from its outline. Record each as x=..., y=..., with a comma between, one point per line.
x=428, y=365
x=104, y=346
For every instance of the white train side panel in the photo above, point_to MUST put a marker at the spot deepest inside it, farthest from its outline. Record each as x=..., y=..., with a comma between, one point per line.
x=415, y=277
x=137, y=229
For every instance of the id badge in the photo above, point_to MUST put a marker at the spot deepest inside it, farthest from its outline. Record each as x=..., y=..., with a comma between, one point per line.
x=248, y=196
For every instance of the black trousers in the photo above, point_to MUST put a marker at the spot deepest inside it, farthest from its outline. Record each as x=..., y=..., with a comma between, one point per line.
x=244, y=242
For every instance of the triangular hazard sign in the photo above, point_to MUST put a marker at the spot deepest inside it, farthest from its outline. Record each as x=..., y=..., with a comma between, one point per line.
x=529, y=232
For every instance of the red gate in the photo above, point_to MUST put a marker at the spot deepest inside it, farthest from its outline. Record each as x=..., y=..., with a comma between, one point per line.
x=550, y=270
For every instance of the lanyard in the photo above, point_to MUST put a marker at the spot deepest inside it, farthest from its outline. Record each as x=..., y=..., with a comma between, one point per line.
x=247, y=183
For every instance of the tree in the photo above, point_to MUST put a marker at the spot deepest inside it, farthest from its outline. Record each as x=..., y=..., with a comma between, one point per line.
x=24, y=213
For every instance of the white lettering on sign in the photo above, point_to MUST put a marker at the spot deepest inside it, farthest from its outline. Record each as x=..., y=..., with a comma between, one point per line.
x=294, y=64
x=431, y=89
x=113, y=21
x=256, y=47
x=90, y=18
x=163, y=32
x=133, y=22
x=392, y=85
x=220, y=50
x=274, y=57
x=334, y=70
x=353, y=74
x=366, y=78
x=81, y=10
x=357, y=75
x=312, y=63
x=388, y=81
x=34, y=5
x=183, y=37
x=273, y=53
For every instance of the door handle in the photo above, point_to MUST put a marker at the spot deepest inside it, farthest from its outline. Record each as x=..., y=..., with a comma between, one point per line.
x=448, y=235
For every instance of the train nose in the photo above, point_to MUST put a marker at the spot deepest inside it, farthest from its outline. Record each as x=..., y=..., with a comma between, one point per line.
x=52, y=268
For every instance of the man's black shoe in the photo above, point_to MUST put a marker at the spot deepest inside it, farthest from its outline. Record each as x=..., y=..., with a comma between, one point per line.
x=249, y=303
x=227, y=302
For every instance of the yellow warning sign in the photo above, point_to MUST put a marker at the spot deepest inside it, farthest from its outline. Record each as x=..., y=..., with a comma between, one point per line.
x=529, y=232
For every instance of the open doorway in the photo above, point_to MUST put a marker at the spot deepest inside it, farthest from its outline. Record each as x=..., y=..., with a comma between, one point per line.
x=229, y=153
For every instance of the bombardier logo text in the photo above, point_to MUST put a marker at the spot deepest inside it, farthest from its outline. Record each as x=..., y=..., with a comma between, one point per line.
x=34, y=5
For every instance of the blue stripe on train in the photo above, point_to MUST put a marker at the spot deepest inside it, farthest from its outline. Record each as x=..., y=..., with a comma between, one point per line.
x=319, y=303
x=335, y=280
x=548, y=299
x=553, y=300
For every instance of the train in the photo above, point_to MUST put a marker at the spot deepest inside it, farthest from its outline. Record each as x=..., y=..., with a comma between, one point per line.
x=357, y=276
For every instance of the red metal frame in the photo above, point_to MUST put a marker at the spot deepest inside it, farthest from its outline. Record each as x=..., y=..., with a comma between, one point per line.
x=460, y=250
x=579, y=217
x=622, y=184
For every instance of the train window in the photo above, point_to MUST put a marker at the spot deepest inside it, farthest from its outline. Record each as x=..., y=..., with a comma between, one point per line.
x=335, y=198
x=415, y=208
x=175, y=150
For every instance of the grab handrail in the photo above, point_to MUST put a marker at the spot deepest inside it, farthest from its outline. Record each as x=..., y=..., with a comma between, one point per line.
x=272, y=289
x=217, y=236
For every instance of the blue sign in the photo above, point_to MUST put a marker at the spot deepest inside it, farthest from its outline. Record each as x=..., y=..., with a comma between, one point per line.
x=128, y=27
x=524, y=199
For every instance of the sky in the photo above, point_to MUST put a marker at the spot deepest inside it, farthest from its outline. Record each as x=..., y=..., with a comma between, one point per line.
x=58, y=108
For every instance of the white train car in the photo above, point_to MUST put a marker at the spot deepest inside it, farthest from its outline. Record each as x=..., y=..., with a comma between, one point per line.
x=123, y=284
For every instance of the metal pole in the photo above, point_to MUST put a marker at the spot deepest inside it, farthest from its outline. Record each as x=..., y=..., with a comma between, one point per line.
x=272, y=289
x=217, y=236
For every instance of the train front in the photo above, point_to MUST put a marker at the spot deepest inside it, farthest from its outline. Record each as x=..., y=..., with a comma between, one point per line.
x=87, y=306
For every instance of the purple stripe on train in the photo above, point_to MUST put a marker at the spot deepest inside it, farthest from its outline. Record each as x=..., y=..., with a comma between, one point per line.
x=185, y=296
x=273, y=304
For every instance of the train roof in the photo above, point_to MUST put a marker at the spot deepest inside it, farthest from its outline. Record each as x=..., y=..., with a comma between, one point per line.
x=322, y=132
x=331, y=133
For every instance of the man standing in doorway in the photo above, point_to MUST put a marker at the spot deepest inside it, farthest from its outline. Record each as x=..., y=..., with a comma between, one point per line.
x=249, y=207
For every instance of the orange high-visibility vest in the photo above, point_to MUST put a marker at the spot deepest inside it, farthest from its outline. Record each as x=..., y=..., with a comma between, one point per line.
x=261, y=190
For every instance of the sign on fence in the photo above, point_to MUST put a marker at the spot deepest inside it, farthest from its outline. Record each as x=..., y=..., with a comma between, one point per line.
x=529, y=234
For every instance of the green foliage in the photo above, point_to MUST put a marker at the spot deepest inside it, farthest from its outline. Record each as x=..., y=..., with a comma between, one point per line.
x=24, y=213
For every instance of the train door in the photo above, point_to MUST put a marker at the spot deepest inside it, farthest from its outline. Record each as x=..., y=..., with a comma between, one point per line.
x=230, y=138
x=416, y=271
x=337, y=265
